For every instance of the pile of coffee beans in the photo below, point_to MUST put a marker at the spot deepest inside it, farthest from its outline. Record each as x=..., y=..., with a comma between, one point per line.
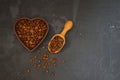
x=56, y=44
x=31, y=32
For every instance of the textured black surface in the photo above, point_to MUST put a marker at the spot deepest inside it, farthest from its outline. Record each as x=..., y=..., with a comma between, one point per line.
x=92, y=51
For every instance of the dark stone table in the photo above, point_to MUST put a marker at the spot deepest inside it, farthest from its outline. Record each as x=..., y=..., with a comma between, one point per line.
x=92, y=50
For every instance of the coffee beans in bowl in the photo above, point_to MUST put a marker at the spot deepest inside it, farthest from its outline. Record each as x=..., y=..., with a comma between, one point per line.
x=31, y=32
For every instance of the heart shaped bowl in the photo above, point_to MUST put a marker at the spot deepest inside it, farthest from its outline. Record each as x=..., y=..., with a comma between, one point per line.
x=31, y=32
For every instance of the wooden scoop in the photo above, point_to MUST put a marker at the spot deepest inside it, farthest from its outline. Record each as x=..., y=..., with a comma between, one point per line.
x=58, y=40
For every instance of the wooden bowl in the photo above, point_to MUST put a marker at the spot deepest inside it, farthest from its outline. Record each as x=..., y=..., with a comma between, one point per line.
x=31, y=32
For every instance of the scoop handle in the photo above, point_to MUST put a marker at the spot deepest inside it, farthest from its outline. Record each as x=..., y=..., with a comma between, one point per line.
x=68, y=25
